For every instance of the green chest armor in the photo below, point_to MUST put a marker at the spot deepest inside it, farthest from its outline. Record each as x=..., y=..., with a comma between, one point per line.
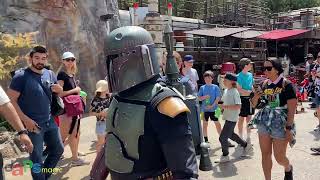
x=125, y=124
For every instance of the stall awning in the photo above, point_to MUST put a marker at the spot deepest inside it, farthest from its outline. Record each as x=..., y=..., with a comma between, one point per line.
x=249, y=34
x=282, y=34
x=216, y=32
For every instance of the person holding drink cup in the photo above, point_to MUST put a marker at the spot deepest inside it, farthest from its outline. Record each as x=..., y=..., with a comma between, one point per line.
x=231, y=105
x=210, y=95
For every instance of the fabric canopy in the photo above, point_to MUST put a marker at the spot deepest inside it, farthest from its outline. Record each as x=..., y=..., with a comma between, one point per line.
x=281, y=34
x=249, y=34
x=217, y=32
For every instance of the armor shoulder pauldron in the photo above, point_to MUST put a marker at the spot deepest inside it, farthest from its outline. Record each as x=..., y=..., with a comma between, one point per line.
x=172, y=106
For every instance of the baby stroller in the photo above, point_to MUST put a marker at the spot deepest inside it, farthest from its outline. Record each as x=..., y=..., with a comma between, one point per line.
x=301, y=92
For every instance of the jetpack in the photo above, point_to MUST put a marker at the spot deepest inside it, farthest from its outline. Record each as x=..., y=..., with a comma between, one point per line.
x=173, y=80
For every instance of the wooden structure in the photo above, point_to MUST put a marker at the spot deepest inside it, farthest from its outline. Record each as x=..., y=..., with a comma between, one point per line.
x=251, y=13
x=235, y=24
x=248, y=13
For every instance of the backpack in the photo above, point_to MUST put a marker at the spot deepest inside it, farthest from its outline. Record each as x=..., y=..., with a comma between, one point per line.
x=57, y=106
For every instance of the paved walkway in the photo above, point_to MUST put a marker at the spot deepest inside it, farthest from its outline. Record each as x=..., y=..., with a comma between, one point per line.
x=306, y=165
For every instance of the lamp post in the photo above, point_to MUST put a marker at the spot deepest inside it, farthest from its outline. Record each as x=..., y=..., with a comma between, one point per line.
x=135, y=15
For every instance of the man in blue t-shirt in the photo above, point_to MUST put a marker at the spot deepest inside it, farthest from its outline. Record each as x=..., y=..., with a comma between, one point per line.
x=210, y=95
x=245, y=87
x=31, y=93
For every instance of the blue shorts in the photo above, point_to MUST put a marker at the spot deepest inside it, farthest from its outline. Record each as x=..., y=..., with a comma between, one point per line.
x=101, y=128
x=276, y=132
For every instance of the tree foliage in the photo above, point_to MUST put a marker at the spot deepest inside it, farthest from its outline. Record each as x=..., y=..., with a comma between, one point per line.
x=286, y=5
x=11, y=50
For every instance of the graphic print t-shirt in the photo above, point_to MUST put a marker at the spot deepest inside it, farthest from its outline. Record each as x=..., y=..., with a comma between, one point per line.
x=277, y=95
x=99, y=104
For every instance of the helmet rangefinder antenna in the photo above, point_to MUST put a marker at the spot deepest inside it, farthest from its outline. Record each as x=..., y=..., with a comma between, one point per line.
x=171, y=71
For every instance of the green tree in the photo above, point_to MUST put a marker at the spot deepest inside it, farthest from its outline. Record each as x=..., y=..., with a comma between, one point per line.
x=11, y=48
x=286, y=5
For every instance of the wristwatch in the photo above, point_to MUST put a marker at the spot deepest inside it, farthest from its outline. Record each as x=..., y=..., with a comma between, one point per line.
x=24, y=131
x=289, y=128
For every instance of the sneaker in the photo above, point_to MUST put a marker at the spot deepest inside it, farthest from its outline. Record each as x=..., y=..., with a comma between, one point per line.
x=81, y=153
x=222, y=159
x=230, y=144
x=316, y=150
x=288, y=175
x=79, y=162
x=247, y=150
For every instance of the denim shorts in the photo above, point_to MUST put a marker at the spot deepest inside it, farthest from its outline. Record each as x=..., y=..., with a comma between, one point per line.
x=101, y=127
x=274, y=132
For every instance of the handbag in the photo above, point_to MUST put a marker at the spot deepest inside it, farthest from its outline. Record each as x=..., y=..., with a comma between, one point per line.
x=73, y=105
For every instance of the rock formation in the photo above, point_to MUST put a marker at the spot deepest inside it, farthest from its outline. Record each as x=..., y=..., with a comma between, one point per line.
x=65, y=25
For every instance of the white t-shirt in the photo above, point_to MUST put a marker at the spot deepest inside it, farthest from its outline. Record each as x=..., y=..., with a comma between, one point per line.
x=3, y=97
x=192, y=74
x=231, y=97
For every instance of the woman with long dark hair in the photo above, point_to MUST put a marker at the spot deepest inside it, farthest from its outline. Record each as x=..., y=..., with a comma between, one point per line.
x=275, y=120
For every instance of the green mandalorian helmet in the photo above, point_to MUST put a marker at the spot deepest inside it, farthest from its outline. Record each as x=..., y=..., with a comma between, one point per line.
x=131, y=57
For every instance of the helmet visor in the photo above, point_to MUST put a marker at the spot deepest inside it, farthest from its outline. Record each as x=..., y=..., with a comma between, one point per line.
x=130, y=68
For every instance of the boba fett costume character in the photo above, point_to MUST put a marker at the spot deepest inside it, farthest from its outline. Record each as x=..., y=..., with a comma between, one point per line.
x=148, y=133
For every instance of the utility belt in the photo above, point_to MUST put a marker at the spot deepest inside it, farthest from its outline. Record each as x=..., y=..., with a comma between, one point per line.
x=164, y=176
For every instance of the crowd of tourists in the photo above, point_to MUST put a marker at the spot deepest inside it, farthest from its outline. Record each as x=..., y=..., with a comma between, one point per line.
x=50, y=123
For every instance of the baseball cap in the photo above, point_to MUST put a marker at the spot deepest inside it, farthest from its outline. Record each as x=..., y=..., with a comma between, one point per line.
x=231, y=77
x=188, y=58
x=102, y=86
x=67, y=55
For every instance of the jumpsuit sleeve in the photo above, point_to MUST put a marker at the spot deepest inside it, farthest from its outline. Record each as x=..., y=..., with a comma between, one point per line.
x=175, y=137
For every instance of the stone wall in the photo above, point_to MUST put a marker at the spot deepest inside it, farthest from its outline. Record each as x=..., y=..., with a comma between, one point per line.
x=65, y=25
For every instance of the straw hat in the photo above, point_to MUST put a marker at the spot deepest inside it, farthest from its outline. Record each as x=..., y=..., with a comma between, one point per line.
x=102, y=86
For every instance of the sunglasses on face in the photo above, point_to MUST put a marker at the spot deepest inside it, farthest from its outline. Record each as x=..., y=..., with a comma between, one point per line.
x=70, y=59
x=267, y=68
